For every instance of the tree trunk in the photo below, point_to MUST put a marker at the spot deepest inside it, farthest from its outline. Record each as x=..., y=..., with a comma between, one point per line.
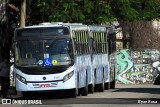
x=4, y=36
x=142, y=34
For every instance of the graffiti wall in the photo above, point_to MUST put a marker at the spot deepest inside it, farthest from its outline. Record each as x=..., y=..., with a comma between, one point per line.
x=137, y=67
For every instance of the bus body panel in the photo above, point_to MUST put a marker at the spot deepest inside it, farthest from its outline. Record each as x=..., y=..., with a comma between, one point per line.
x=55, y=81
x=83, y=67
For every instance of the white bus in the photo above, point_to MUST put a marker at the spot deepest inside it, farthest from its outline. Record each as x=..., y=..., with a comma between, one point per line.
x=62, y=56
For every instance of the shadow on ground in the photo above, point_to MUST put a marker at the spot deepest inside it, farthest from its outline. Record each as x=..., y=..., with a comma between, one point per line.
x=150, y=90
x=40, y=95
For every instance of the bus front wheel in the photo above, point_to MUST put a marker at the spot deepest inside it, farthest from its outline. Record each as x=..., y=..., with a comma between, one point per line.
x=74, y=93
x=26, y=95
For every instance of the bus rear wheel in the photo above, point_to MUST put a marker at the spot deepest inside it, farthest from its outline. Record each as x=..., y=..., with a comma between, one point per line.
x=91, y=88
x=106, y=86
x=84, y=91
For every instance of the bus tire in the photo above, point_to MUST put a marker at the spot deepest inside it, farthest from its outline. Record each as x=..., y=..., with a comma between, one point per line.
x=74, y=93
x=91, y=88
x=25, y=95
x=84, y=91
x=96, y=85
x=79, y=92
x=112, y=84
x=106, y=86
x=101, y=86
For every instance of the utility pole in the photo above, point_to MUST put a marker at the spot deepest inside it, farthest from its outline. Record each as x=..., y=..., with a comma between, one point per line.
x=23, y=13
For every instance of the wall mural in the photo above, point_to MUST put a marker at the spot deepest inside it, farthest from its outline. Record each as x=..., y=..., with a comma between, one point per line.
x=137, y=67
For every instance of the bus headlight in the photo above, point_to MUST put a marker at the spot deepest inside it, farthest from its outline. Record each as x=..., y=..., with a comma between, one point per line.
x=22, y=79
x=68, y=76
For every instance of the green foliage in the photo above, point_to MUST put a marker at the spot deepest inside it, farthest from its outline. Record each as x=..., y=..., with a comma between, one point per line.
x=131, y=10
x=96, y=11
x=83, y=11
x=151, y=10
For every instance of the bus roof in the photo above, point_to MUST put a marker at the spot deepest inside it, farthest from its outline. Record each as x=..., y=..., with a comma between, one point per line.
x=40, y=26
x=97, y=28
x=78, y=27
x=57, y=24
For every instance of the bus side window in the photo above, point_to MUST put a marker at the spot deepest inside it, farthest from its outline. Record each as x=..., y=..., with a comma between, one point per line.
x=75, y=46
x=93, y=45
x=76, y=42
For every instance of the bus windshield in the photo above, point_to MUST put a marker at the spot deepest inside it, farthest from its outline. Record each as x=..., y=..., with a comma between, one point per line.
x=43, y=53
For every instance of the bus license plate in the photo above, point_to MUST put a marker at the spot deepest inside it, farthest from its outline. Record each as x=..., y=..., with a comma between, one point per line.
x=44, y=85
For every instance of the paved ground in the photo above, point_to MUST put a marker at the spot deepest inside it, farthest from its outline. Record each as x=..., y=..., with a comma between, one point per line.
x=122, y=94
x=129, y=91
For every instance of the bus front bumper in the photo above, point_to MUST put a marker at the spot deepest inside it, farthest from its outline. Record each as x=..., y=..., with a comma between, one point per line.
x=58, y=85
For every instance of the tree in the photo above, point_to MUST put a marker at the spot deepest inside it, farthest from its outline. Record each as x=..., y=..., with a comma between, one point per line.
x=8, y=24
x=135, y=18
x=77, y=11
x=3, y=29
x=142, y=35
x=130, y=14
x=129, y=10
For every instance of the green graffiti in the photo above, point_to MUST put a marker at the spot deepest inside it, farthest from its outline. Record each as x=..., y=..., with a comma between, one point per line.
x=137, y=66
x=125, y=64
